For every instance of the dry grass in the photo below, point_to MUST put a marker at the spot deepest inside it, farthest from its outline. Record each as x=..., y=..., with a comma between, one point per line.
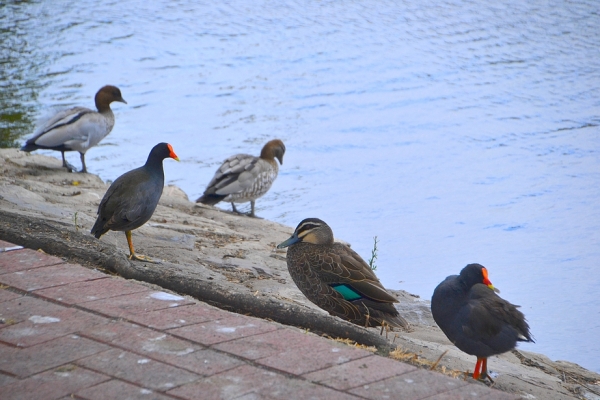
x=352, y=343
x=414, y=359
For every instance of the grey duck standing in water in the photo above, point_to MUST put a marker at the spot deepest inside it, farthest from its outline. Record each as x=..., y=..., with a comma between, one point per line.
x=242, y=178
x=337, y=279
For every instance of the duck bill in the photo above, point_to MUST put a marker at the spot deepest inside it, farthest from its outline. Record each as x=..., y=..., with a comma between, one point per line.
x=293, y=239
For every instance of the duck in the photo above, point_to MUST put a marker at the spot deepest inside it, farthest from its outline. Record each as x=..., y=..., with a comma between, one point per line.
x=78, y=128
x=477, y=320
x=244, y=178
x=335, y=278
x=132, y=198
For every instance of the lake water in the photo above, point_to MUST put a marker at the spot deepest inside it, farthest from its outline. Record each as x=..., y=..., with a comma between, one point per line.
x=454, y=131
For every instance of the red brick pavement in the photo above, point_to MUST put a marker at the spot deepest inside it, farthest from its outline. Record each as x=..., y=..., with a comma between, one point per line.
x=71, y=332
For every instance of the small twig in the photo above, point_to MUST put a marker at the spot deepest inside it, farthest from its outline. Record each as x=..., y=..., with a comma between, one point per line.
x=373, y=255
x=435, y=364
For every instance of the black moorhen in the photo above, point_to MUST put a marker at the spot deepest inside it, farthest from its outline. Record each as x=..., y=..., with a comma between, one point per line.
x=132, y=198
x=475, y=318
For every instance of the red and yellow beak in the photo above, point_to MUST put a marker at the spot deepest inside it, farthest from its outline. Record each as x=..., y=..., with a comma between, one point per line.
x=487, y=282
x=172, y=153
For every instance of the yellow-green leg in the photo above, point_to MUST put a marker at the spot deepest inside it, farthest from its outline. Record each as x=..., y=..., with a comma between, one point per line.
x=138, y=257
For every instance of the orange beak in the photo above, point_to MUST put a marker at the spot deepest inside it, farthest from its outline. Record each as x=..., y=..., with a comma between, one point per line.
x=487, y=282
x=172, y=153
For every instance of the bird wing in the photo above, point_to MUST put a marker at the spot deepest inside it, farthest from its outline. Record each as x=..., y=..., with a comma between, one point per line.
x=72, y=128
x=488, y=314
x=236, y=174
x=123, y=212
x=309, y=280
x=342, y=265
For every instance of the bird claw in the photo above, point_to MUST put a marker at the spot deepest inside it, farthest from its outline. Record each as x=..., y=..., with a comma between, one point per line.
x=70, y=167
x=139, y=257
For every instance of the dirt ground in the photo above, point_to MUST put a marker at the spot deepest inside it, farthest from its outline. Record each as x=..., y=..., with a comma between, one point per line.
x=230, y=261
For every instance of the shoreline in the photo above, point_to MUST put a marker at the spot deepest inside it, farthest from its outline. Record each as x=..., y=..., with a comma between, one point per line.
x=230, y=261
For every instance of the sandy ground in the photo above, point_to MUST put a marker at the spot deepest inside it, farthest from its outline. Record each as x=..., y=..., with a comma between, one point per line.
x=230, y=261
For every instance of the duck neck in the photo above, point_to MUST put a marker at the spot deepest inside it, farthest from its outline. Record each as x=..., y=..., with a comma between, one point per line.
x=107, y=112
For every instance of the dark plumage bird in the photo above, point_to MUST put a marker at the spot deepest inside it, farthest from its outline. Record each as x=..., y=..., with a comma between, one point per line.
x=475, y=318
x=78, y=128
x=132, y=198
x=337, y=279
x=242, y=178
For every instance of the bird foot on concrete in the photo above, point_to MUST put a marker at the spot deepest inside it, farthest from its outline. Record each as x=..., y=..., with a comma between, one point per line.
x=139, y=257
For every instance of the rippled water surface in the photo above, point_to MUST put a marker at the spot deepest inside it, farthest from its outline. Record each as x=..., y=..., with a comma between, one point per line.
x=454, y=131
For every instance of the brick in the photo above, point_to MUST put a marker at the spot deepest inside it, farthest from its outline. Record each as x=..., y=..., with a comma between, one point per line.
x=131, y=304
x=266, y=344
x=35, y=359
x=203, y=362
x=231, y=384
x=22, y=308
x=162, y=347
x=413, y=385
x=45, y=277
x=98, y=289
x=115, y=389
x=319, y=354
x=138, y=369
x=474, y=392
x=212, y=332
x=179, y=316
x=299, y=389
x=19, y=260
x=5, y=380
x=52, y=384
x=248, y=382
x=6, y=295
x=139, y=339
x=6, y=244
x=49, y=325
x=371, y=369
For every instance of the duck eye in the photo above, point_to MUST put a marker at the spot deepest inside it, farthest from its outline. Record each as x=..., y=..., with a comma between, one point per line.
x=306, y=228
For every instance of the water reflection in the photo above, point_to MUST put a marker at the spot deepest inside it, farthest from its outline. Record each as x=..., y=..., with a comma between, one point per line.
x=22, y=61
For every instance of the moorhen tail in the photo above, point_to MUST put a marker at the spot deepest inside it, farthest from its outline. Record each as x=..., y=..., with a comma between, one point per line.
x=132, y=198
x=475, y=318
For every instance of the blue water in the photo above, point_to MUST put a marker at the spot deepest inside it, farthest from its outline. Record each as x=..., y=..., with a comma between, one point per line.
x=454, y=131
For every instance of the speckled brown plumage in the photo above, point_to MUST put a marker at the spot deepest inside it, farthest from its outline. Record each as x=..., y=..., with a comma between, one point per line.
x=337, y=279
x=242, y=178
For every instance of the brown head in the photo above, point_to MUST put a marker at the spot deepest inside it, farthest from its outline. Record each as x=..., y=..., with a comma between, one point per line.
x=106, y=95
x=273, y=149
x=310, y=230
